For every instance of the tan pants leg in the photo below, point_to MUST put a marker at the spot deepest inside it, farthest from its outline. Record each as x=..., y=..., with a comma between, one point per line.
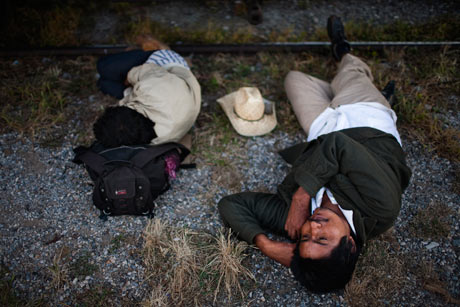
x=353, y=83
x=309, y=97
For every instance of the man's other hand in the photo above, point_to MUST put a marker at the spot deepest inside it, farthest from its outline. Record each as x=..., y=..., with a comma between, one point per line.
x=298, y=213
x=281, y=252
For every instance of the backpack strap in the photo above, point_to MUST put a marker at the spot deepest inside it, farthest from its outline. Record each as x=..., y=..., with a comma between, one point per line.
x=142, y=158
x=188, y=165
x=92, y=159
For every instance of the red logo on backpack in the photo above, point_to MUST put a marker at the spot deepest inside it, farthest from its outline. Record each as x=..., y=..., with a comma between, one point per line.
x=120, y=192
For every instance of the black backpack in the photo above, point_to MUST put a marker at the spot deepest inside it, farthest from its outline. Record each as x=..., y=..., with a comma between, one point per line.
x=127, y=179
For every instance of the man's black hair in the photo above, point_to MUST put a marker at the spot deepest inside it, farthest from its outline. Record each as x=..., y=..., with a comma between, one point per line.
x=123, y=126
x=327, y=274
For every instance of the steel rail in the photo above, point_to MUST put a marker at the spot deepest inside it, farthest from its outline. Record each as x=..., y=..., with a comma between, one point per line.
x=215, y=48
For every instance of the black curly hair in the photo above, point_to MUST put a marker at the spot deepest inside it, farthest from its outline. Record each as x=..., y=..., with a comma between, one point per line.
x=123, y=126
x=327, y=274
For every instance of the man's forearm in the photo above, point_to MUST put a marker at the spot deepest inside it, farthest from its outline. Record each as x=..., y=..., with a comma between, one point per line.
x=249, y=214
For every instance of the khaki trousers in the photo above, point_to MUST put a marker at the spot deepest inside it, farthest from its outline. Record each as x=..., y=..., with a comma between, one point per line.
x=310, y=96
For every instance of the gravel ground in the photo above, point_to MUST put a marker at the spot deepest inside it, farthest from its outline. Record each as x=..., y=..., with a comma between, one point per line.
x=48, y=217
x=48, y=211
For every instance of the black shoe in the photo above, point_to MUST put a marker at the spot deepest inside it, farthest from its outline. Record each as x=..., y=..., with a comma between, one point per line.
x=255, y=16
x=388, y=92
x=336, y=33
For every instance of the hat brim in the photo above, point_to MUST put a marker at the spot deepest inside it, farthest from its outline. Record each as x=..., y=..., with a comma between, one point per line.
x=244, y=127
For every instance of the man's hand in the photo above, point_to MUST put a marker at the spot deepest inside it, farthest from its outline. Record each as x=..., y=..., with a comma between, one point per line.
x=281, y=252
x=298, y=213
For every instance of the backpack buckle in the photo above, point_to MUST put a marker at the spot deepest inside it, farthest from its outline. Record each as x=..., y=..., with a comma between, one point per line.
x=103, y=217
x=149, y=213
x=104, y=214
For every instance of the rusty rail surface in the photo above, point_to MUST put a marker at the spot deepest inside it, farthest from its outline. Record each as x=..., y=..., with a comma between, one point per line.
x=215, y=48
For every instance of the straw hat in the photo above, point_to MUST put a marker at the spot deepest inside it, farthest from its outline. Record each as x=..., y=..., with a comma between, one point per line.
x=246, y=110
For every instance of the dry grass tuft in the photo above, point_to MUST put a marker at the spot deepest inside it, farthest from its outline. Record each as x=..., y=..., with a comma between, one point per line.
x=427, y=274
x=379, y=275
x=185, y=267
x=172, y=263
x=158, y=297
x=59, y=270
x=191, y=268
x=427, y=225
x=226, y=258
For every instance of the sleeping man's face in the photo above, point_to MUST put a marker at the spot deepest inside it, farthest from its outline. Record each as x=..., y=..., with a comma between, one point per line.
x=321, y=233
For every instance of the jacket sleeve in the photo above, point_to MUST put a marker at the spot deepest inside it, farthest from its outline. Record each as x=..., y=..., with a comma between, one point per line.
x=252, y=213
x=363, y=177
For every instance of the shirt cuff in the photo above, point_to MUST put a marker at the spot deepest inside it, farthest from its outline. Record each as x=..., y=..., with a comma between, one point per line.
x=167, y=58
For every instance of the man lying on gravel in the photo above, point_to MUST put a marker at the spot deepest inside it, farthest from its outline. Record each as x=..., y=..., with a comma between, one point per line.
x=345, y=184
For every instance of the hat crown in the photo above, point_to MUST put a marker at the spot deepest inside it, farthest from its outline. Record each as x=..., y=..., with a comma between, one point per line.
x=249, y=104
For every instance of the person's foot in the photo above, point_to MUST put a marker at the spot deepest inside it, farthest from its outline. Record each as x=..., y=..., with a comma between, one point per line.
x=149, y=43
x=336, y=32
x=255, y=16
x=389, y=91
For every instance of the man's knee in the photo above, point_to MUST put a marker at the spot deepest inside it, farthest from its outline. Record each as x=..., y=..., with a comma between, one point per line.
x=229, y=205
x=352, y=64
x=112, y=88
x=225, y=201
x=236, y=202
x=292, y=77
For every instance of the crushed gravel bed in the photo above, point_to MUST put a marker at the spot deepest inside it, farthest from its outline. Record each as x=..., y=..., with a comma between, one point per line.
x=47, y=211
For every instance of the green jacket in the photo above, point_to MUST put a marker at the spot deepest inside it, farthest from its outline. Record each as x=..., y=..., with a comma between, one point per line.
x=364, y=168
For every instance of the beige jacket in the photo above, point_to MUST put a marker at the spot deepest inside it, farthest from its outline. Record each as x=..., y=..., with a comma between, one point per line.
x=170, y=97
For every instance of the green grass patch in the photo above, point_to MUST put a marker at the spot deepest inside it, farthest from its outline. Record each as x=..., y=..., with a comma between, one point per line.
x=36, y=94
x=210, y=34
x=57, y=26
x=41, y=102
x=99, y=296
x=214, y=138
x=432, y=222
x=442, y=28
x=82, y=266
x=116, y=242
x=7, y=295
x=425, y=80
